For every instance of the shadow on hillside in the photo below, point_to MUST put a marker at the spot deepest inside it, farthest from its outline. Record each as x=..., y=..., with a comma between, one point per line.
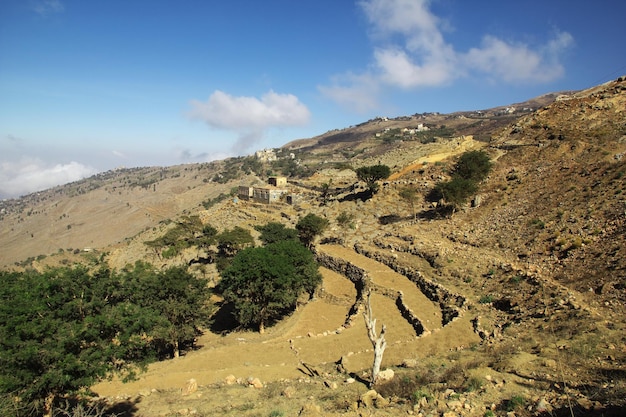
x=431, y=214
x=126, y=408
x=76, y=407
x=361, y=195
x=223, y=321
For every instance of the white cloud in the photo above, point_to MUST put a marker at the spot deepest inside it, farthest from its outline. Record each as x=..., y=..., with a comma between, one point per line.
x=352, y=91
x=518, y=63
x=47, y=7
x=31, y=174
x=410, y=51
x=250, y=117
x=224, y=111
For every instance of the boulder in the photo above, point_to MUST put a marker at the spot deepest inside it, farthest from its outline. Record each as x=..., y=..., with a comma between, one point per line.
x=255, y=382
x=386, y=375
x=190, y=387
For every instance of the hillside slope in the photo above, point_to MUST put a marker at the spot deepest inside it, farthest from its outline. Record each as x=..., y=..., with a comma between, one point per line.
x=515, y=303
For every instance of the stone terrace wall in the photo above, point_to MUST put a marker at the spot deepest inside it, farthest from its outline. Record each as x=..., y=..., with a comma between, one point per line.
x=451, y=304
x=363, y=284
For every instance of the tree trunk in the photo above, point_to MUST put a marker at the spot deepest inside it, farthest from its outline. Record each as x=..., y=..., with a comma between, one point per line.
x=378, y=341
x=176, y=349
x=48, y=404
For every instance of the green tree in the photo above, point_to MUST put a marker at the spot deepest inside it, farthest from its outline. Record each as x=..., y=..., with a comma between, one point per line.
x=57, y=333
x=410, y=195
x=64, y=329
x=473, y=165
x=309, y=227
x=179, y=298
x=231, y=241
x=264, y=283
x=273, y=232
x=372, y=174
x=325, y=192
x=456, y=192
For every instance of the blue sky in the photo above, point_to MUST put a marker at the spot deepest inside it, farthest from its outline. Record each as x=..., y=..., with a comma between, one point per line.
x=88, y=86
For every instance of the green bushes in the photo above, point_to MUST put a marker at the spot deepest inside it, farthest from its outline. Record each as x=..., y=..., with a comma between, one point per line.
x=471, y=168
x=66, y=328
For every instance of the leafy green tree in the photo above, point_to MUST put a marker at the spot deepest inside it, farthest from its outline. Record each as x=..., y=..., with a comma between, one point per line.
x=473, y=165
x=372, y=174
x=231, y=241
x=410, y=195
x=273, y=232
x=57, y=333
x=309, y=227
x=64, y=329
x=471, y=168
x=179, y=298
x=264, y=283
x=457, y=191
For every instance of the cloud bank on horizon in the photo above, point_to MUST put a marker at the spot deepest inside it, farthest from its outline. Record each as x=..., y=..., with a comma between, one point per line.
x=32, y=174
x=117, y=92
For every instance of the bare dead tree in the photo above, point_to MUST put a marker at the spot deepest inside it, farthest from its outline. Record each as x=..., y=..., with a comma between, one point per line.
x=378, y=341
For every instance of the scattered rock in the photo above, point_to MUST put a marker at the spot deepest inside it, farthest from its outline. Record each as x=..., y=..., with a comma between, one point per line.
x=310, y=410
x=543, y=407
x=230, y=380
x=386, y=375
x=368, y=398
x=289, y=392
x=372, y=399
x=190, y=387
x=145, y=393
x=330, y=384
x=410, y=363
x=255, y=382
x=549, y=363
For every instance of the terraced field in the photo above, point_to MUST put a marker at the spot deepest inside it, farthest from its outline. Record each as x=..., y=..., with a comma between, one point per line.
x=325, y=331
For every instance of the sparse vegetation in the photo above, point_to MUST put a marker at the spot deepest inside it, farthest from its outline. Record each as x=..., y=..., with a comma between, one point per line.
x=345, y=220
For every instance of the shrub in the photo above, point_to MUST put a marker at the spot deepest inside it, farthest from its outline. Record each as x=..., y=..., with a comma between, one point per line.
x=516, y=402
x=486, y=299
x=344, y=219
x=473, y=384
x=473, y=165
